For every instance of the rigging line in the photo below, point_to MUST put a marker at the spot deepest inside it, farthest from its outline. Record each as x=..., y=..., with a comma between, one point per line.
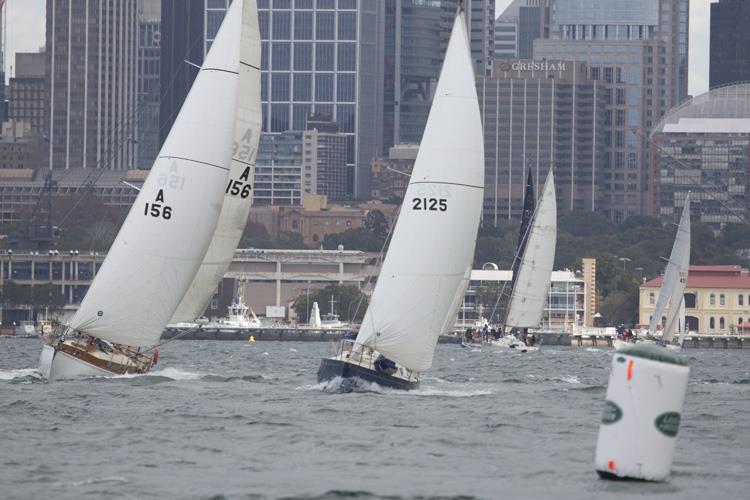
x=379, y=261
x=516, y=258
x=698, y=183
x=167, y=341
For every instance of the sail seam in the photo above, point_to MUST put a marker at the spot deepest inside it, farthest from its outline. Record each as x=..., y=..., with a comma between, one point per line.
x=195, y=161
x=222, y=70
x=250, y=65
x=448, y=183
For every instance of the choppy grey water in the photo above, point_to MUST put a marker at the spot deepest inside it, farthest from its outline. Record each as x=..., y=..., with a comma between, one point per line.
x=234, y=420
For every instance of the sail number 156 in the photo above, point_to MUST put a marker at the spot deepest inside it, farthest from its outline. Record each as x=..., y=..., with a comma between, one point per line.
x=432, y=204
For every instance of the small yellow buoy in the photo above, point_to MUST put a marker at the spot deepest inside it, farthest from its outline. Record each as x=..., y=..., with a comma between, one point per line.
x=252, y=339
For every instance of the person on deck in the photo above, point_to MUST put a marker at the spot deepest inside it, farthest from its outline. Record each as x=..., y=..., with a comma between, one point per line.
x=385, y=365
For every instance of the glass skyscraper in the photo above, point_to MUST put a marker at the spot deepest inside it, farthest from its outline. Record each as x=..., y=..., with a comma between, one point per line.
x=730, y=40
x=638, y=49
x=703, y=147
x=325, y=57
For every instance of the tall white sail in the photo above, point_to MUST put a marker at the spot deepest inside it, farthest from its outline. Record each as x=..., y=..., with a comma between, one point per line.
x=167, y=232
x=535, y=272
x=238, y=191
x=433, y=241
x=675, y=278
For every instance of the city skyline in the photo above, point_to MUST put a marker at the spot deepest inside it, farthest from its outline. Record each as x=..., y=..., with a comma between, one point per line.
x=25, y=33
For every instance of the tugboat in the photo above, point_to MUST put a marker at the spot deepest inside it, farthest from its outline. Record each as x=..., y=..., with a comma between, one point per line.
x=427, y=267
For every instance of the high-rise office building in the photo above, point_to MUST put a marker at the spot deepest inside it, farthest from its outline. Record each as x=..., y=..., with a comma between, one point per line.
x=516, y=29
x=702, y=147
x=92, y=52
x=730, y=39
x=3, y=105
x=324, y=159
x=295, y=163
x=638, y=49
x=480, y=17
x=149, y=56
x=538, y=115
x=506, y=32
x=183, y=47
x=529, y=28
x=416, y=34
x=413, y=57
x=27, y=90
x=326, y=57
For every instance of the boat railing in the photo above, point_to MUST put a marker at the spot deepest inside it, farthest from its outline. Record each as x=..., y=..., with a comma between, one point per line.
x=61, y=332
x=364, y=356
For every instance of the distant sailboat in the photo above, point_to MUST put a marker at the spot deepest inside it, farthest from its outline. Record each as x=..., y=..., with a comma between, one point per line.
x=672, y=291
x=166, y=235
x=531, y=282
x=426, y=269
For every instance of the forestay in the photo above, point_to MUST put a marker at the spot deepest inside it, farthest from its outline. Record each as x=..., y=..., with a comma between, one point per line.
x=238, y=190
x=535, y=272
x=424, y=272
x=675, y=278
x=167, y=232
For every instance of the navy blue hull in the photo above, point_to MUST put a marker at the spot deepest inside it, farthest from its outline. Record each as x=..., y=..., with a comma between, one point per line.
x=332, y=368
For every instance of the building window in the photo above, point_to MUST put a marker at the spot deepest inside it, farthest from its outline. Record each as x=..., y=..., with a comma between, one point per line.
x=721, y=323
x=690, y=300
x=722, y=300
x=651, y=298
x=711, y=323
x=712, y=300
x=739, y=321
x=741, y=300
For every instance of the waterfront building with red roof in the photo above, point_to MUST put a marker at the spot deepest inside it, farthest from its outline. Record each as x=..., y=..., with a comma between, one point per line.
x=717, y=300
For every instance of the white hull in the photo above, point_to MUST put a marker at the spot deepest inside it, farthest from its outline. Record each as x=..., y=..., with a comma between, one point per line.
x=57, y=365
x=511, y=343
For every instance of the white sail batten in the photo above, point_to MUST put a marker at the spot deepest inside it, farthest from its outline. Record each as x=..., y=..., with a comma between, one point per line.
x=673, y=286
x=529, y=294
x=238, y=190
x=165, y=236
x=433, y=242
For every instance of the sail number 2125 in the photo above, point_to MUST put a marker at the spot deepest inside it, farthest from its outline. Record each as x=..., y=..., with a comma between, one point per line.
x=432, y=204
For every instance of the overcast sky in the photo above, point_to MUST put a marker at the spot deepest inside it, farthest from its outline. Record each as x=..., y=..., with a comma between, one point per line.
x=25, y=24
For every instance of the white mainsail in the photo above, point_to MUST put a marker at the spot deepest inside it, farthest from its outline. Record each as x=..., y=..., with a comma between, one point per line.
x=434, y=238
x=529, y=294
x=167, y=231
x=238, y=191
x=675, y=278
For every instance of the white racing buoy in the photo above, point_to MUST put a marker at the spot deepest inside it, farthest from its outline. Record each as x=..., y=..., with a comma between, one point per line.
x=645, y=396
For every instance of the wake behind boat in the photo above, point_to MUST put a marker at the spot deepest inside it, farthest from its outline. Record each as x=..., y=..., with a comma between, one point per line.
x=163, y=242
x=426, y=270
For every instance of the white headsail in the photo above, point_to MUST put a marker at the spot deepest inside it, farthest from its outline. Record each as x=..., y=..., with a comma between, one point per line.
x=434, y=238
x=238, y=191
x=535, y=272
x=675, y=278
x=167, y=231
